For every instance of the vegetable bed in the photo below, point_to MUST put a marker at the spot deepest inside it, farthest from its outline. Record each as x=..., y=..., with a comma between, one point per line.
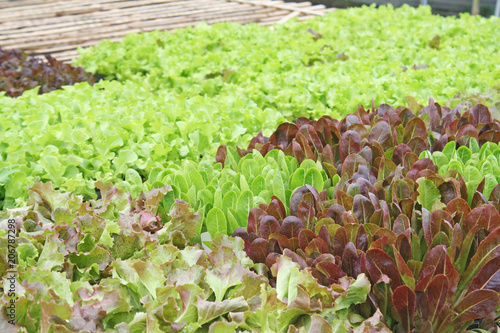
x=339, y=174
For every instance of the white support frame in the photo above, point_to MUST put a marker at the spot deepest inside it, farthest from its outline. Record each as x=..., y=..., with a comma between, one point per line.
x=276, y=4
x=497, y=9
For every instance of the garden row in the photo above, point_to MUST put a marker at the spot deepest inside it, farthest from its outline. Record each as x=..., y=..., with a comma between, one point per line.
x=371, y=237
x=384, y=219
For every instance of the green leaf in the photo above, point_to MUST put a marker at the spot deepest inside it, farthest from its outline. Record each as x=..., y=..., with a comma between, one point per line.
x=50, y=256
x=150, y=275
x=440, y=159
x=298, y=178
x=4, y=175
x=428, y=193
x=208, y=311
x=244, y=204
x=26, y=252
x=229, y=200
x=191, y=194
x=308, y=164
x=313, y=177
x=338, y=326
x=473, y=177
x=490, y=183
x=194, y=176
x=232, y=221
x=133, y=177
x=287, y=278
x=232, y=159
x=125, y=158
x=250, y=168
x=449, y=150
x=223, y=327
x=278, y=186
x=456, y=165
x=207, y=195
x=258, y=185
x=464, y=154
x=216, y=222
x=181, y=183
x=220, y=279
x=154, y=174
x=474, y=145
x=229, y=186
x=218, y=198
x=243, y=183
x=356, y=293
x=425, y=154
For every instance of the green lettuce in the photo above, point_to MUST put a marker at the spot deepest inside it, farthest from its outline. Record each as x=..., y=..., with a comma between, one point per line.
x=112, y=132
x=225, y=196
x=328, y=64
x=478, y=166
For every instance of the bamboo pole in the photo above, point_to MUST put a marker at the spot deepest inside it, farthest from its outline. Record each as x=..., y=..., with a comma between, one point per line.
x=475, y=7
x=274, y=5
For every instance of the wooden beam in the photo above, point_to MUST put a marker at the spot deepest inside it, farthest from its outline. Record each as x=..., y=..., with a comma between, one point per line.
x=272, y=4
x=289, y=16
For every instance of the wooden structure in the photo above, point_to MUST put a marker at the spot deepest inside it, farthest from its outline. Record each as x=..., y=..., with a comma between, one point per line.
x=58, y=27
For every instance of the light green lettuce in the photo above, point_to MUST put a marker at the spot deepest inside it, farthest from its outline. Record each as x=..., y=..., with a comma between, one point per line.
x=223, y=197
x=113, y=131
x=474, y=164
x=325, y=65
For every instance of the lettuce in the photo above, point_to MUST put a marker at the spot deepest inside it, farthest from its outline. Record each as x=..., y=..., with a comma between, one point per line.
x=480, y=168
x=111, y=264
x=326, y=65
x=112, y=132
x=224, y=197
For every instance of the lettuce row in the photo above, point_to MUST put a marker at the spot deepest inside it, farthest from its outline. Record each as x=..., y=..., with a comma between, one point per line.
x=321, y=66
x=432, y=259
x=111, y=264
x=170, y=107
x=392, y=131
x=224, y=196
x=112, y=132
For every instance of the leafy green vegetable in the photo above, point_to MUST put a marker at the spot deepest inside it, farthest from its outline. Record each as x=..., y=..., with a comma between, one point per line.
x=216, y=222
x=475, y=168
x=363, y=53
x=113, y=132
x=428, y=194
x=404, y=226
x=229, y=191
x=110, y=263
x=338, y=225
x=383, y=132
